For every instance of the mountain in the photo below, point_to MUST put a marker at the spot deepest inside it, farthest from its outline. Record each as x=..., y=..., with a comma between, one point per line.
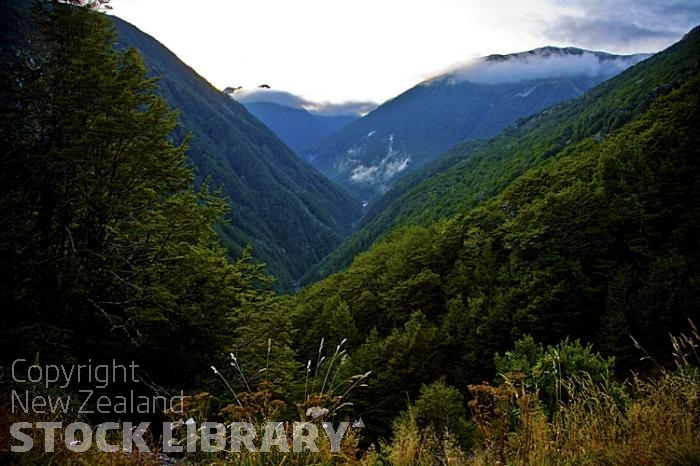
x=298, y=128
x=288, y=116
x=472, y=101
x=472, y=172
x=580, y=223
x=291, y=214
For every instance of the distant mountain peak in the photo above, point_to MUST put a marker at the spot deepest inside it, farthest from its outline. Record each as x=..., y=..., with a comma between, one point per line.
x=473, y=100
x=550, y=51
x=546, y=51
x=264, y=94
x=541, y=63
x=268, y=95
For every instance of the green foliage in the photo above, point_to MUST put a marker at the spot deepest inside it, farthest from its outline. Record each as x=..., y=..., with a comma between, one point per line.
x=535, y=370
x=400, y=363
x=474, y=172
x=441, y=408
x=341, y=325
x=413, y=445
x=292, y=215
x=657, y=424
x=430, y=431
x=109, y=251
x=594, y=244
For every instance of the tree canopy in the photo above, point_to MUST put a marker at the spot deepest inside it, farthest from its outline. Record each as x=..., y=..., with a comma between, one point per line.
x=109, y=252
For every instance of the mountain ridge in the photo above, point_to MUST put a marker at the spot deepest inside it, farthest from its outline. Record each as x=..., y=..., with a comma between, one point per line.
x=288, y=211
x=298, y=127
x=472, y=172
x=415, y=127
x=580, y=223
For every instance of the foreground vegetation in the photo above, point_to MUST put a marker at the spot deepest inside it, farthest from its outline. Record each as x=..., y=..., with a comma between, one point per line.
x=596, y=420
x=560, y=406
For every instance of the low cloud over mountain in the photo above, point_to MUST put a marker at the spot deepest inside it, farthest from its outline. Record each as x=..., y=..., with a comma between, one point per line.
x=300, y=123
x=287, y=99
x=473, y=100
x=546, y=62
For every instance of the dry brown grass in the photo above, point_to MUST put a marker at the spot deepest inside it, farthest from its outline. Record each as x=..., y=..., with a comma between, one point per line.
x=645, y=422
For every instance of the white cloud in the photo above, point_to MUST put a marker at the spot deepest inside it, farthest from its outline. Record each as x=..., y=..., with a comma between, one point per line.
x=287, y=99
x=543, y=63
x=274, y=96
x=368, y=50
x=379, y=175
x=343, y=108
x=622, y=25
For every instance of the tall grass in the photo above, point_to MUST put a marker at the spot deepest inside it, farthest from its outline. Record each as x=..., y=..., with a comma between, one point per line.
x=244, y=399
x=644, y=422
x=326, y=388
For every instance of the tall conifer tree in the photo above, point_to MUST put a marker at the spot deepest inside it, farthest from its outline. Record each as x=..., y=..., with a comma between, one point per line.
x=109, y=251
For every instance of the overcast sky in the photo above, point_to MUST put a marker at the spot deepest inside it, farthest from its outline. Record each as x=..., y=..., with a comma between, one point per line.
x=358, y=50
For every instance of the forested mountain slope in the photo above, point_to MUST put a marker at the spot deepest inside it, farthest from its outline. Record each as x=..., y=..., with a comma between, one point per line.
x=472, y=172
x=474, y=101
x=587, y=226
x=297, y=127
x=109, y=251
x=291, y=214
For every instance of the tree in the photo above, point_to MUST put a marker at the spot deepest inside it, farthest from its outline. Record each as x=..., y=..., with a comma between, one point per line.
x=441, y=408
x=109, y=251
x=547, y=373
x=400, y=364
